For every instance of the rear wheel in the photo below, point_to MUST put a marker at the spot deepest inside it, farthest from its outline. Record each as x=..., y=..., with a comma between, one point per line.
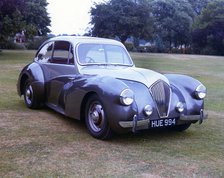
x=30, y=98
x=96, y=119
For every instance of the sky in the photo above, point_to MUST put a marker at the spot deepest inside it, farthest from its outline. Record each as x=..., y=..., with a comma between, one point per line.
x=70, y=16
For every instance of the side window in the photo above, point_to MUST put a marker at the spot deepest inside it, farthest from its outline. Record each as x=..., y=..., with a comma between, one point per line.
x=62, y=53
x=45, y=53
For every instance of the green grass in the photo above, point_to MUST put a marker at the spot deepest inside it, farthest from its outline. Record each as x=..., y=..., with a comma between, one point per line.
x=42, y=143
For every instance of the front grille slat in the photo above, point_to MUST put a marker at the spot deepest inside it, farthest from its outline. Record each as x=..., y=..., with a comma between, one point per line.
x=161, y=94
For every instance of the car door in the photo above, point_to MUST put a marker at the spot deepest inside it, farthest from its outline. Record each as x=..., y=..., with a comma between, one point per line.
x=58, y=65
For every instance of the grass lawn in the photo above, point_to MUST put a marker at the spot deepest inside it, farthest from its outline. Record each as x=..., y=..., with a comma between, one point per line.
x=42, y=143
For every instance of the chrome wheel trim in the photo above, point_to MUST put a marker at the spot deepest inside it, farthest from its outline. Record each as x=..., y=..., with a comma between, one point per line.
x=29, y=94
x=96, y=116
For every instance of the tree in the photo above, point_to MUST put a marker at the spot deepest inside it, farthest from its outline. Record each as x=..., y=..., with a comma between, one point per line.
x=36, y=17
x=10, y=18
x=27, y=15
x=198, y=5
x=173, y=21
x=208, y=34
x=121, y=18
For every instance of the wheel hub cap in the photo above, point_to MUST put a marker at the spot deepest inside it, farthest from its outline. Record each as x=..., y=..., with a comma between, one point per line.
x=28, y=93
x=96, y=117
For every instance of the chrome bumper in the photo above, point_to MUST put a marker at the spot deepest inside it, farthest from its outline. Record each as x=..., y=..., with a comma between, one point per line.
x=129, y=124
x=139, y=123
x=199, y=118
x=134, y=123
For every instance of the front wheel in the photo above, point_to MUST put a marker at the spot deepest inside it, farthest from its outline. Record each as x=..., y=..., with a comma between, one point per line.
x=96, y=119
x=30, y=98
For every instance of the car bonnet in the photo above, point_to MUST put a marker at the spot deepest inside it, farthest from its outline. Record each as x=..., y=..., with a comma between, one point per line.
x=145, y=76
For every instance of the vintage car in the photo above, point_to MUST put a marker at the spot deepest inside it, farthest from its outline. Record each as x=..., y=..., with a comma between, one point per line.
x=95, y=80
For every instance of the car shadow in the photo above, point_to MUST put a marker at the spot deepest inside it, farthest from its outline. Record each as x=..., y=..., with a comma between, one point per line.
x=73, y=123
x=159, y=134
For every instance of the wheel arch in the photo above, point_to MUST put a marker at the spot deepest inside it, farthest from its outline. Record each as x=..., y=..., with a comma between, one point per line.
x=99, y=128
x=22, y=83
x=35, y=75
x=83, y=104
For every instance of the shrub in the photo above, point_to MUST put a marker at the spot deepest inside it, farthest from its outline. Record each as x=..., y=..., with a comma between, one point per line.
x=11, y=45
x=129, y=46
x=208, y=50
x=35, y=42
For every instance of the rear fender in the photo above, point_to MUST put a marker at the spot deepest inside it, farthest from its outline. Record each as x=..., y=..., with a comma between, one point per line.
x=34, y=74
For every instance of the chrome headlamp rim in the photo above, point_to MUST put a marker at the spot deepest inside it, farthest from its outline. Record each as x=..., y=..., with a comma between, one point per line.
x=180, y=107
x=200, y=92
x=127, y=97
x=148, y=110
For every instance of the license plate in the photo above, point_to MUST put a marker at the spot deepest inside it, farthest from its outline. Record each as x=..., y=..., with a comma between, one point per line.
x=162, y=123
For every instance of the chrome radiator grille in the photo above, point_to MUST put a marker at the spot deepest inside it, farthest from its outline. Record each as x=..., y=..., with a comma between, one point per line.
x=161, y=94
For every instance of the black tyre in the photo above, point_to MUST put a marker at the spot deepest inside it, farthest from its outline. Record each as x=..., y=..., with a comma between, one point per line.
x=30, y=98
x=181, y=128
x=96, y=119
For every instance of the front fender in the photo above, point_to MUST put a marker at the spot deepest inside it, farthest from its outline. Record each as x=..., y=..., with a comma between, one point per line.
x=108, y=90
x=186, y=86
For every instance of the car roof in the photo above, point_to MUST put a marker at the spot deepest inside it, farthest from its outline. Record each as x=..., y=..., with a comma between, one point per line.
x=84, y=39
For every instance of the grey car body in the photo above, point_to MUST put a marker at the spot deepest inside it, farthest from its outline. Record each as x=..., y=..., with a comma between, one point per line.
x=95, y=79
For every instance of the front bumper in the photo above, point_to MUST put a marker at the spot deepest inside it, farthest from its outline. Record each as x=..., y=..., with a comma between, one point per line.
x=199, y=118
x=135, y=123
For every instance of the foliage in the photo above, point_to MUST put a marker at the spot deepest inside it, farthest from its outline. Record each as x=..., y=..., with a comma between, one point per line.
x=208, y=35
x=10, y=18
x=170, y=25
x=121, y=18
x=198, y=5
x=23, y=15
x=173, y=20
x=35, y=43
x=36, y=17
x=11, y=45
x=129, y=46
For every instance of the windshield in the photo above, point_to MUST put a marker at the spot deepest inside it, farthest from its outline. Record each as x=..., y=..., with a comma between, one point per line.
x=105, y=54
